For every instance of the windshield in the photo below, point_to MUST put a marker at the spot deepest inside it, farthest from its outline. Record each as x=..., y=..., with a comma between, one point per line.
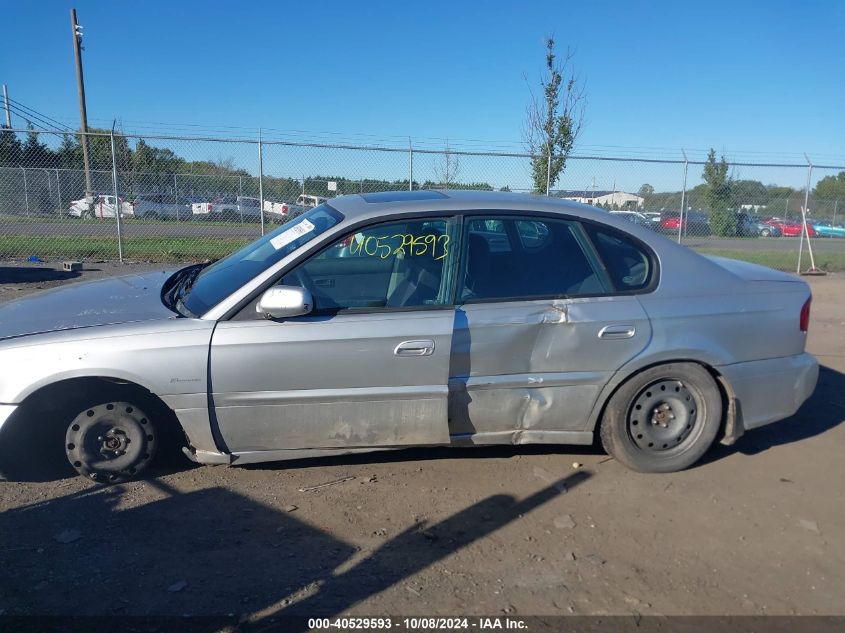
x=219, y=280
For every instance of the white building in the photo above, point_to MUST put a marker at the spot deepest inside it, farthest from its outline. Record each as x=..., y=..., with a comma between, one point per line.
x=616, y=199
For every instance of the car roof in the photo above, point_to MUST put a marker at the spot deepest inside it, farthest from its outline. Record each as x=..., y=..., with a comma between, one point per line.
x=364, y=206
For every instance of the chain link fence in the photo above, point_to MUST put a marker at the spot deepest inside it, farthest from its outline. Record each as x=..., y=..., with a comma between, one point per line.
x=168, y=198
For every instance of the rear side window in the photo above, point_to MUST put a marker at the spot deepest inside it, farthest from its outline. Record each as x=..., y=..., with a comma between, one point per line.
x=628, y=265
x=525, y=258
x=533, y=234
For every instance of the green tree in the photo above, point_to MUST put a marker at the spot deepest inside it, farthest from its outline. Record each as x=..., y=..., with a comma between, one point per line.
x=830, y=187
x=10, y=148
x=70, y=153
x=553, y=121
x=35, y=153
x=749, y=192
x=715, y=175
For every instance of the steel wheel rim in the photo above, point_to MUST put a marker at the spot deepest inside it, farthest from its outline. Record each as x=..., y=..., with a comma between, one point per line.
x=110, y=442
x=664, y=417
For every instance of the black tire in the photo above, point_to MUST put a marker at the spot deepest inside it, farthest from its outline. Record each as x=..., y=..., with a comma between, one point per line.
x=86, y=215
x=663, y=419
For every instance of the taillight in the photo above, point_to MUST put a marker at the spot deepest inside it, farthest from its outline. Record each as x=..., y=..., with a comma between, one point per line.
x=210, y=207
x=804, y=321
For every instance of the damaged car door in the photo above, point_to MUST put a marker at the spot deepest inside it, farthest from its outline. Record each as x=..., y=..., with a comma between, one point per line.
x=546, y=314
x=368, y=366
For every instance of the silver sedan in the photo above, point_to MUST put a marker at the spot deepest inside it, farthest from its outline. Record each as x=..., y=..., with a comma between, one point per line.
x=423, y=318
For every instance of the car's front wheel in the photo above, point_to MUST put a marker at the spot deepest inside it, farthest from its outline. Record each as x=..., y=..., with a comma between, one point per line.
x=663, y=419
x=111, y=441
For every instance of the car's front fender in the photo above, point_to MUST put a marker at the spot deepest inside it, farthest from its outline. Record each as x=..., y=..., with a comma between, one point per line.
x=165, y=357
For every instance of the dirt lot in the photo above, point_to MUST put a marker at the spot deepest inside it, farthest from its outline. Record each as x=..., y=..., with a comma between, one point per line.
x=758, y=528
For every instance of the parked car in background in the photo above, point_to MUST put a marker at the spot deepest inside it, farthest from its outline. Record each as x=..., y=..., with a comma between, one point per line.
x=826, y=229
x=695, y=223
x=653, y=217
x=160, y=207
x=202, y=207
x=283, y=211
x=305, y=200
x=99, y=206
x=243, y=208
x=576, y=325
x=633, y=216
x=790, y=228
x=750, y=226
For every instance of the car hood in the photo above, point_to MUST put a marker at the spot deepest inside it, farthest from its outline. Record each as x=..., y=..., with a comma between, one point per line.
x=88, y=303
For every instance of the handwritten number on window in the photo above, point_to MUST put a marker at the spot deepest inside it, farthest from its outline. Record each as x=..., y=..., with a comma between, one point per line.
x=405, y=244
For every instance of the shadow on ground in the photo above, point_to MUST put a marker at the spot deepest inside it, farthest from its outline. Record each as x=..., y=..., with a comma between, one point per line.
x=214, y=552
x=34, y=274
x=426, y=453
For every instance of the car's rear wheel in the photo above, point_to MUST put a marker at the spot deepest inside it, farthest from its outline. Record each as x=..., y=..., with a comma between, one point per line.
x=87, y=215
x=663, y=419
x=111, y=441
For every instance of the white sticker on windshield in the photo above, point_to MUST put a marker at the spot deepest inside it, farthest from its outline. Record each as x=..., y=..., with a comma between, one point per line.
x=293, y=233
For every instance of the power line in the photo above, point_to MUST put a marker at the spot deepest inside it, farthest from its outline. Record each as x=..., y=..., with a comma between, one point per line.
x=43, y=116
x=34, y=121
x=30, y=115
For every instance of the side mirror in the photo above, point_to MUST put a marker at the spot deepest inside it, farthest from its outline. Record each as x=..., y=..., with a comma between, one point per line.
x=282, y=302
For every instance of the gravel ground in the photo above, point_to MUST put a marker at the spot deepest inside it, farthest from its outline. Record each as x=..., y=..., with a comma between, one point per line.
x=758, y=528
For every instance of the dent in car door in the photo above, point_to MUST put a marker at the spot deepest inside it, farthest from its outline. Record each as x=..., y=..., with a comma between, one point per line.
x=530, y=369
x=526, y=370
x=376, y=379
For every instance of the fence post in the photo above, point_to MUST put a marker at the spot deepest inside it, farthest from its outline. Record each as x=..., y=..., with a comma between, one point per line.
x=835, y=204
x=59, y=192
x=683, y=199
x=49, y=187
x=548, y=171
x=804, y=232
x=410, y=165
x=261, y=180
x=25, y=192
x=176, y=197
x=240, y=196
x=117, y=205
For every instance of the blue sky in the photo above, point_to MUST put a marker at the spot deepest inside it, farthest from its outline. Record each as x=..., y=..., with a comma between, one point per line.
x=743, y=77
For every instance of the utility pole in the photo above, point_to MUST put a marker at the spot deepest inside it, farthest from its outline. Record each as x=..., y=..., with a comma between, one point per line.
x=6, y=107
x=80, y=85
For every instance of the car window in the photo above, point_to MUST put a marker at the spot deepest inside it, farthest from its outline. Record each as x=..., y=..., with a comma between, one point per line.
x=493, y=232
x=628, y=265
x=395, y=265
x=544, y=258
x=533, y=234
x=222, y=278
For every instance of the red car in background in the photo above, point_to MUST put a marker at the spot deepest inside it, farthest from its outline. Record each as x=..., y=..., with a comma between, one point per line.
x=790, y=228
x=694, y=223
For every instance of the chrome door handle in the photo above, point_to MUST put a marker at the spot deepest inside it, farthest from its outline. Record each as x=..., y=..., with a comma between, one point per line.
x=415, y=348
x=617, y=331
